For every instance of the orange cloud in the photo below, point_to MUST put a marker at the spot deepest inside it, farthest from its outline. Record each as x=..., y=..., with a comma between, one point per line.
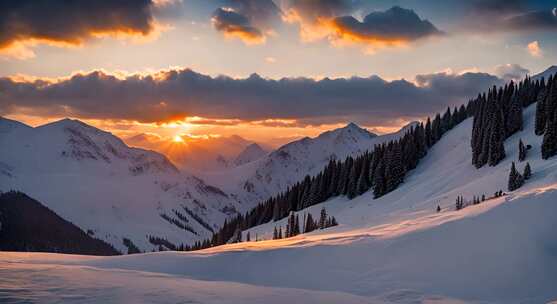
x=235, y=25
x=396, y=27
x=26, y=24
x=534, y=49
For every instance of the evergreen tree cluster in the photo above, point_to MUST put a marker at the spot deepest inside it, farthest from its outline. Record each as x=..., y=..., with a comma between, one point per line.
x=516, y=180
x=546, y=118
x=461, y=203
x=309, y=225
x=498, y=115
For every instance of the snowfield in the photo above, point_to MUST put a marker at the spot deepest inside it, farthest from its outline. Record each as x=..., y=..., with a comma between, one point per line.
x=395, y=249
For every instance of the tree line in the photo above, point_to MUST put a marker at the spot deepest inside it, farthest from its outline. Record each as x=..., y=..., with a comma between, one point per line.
x=383, y=169
x=499, y=115
x=546, y=118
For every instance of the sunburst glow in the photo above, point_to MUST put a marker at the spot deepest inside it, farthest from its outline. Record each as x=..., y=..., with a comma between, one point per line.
x=178, y=139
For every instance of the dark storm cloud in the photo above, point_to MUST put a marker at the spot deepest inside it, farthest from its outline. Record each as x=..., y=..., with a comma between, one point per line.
x=71, y=21
x=538, y=20
x=512, y=15
x=393, y=24
x=248, y=20
x=234, y=24
x=313, y=9
x=178, y=93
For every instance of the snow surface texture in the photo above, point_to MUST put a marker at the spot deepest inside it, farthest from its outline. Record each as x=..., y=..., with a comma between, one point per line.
x=396, y=249
x=256, y=181
x=94, y=180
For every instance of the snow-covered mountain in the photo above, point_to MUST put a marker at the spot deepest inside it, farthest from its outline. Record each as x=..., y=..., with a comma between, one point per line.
x=93, y=179
x=552, y=70
x=195, y=154
x=250, y=153
x=276, y=171
x=395, y=249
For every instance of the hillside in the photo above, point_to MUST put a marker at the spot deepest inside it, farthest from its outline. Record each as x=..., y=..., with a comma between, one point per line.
x=392, y=249
x=27, y=225
x=91, y=178
x=283, y=167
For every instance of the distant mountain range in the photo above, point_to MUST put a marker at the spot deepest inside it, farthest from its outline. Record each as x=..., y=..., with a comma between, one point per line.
x=201, y=153
x=93, y=179
x=283, y=167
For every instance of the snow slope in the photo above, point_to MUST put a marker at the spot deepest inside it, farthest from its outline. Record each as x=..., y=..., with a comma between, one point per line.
x=269, y=175
x=94, y=180
x=395, y=249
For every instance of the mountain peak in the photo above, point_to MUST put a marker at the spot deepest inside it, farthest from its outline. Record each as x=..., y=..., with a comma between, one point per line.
x=353, y=128
x=250, y=153
x=552, y=70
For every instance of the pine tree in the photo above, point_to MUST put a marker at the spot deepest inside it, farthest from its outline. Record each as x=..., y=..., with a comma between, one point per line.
x=514, y=117
x=438, y=208
x=296, y=225
x=549, y=143
x=362, y=184
x=496, y=139
x=521, y=151
x=540, y=113
x=527, y=171
x=248, y=238
x=515, y=179
x=352, y=186
x=280, y=233
x=310, y=224
x=379, y=180
x=275, y=233
x=322, y=218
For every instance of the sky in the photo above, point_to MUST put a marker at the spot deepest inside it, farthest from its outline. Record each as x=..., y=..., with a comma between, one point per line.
x=268, y=70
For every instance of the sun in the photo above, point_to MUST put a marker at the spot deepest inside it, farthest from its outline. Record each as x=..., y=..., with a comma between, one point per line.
x=178, y=139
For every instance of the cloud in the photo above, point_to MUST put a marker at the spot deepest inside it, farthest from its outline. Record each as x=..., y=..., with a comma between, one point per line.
x=176, y=94
x=534, y=49
x=25, y=23
x=512, y=15
x=511, y=71
x=270, y=59
x=393, y=26
x=335, y=21
x=235, y=25
x=251, y=21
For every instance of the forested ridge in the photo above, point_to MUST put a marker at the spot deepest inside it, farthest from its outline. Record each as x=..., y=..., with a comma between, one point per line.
x=497, y=115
